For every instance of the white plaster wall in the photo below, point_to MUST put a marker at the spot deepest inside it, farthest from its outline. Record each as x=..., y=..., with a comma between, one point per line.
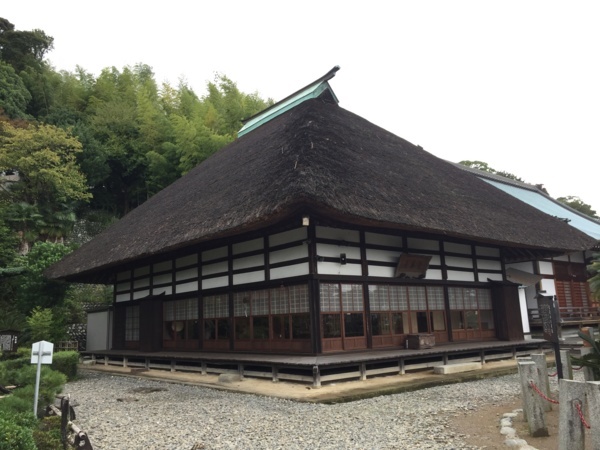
x=548, y=286
x=523, y=305
x=98, y=331
x=289, y=271
x=545, y=268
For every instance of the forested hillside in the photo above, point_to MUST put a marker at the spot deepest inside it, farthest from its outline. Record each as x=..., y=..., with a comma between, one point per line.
x=78, y=151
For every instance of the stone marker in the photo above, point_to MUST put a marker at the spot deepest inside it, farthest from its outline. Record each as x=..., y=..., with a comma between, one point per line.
x=532, y=402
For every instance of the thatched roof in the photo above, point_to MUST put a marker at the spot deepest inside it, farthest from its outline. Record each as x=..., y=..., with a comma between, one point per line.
x=329, y=161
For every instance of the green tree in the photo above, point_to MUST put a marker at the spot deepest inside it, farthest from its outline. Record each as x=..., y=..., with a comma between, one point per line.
x=49, y=182
x=41, y=326
x=579, y=205
x=23, y=49
x=14, y=96
x=8, y=239
x=483, y=166
x=35, y=290
x=113, y=121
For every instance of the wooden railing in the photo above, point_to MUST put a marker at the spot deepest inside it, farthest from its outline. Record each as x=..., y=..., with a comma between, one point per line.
x=67, y=345
x=570, y=315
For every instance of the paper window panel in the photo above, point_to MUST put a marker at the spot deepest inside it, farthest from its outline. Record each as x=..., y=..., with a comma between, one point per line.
x=180, y=310
x=470, y=298
x=455, y=297
x=279, y=301
x=417, y=298
x=378, y=298
x=216, y=306
x=241, y=304
x=222, y=305
x=330, y=298
x=484, y=297
x=398, y=298
x=209, y=307
x=352, y=297
x=298, y=297
x=191, y=308
x=435, y=297
x=260, y=303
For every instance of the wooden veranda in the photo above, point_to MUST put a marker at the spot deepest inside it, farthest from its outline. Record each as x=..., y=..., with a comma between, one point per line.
x=321, y=368
x=569, y=315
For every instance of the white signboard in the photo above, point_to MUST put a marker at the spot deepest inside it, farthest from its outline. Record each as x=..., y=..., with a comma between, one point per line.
x=41, y=353
x=43, y=349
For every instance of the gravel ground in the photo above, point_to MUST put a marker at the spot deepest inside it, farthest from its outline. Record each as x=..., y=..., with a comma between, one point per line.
x=129, y=413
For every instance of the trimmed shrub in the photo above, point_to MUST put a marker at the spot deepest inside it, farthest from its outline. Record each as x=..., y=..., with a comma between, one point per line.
x=12, y=404
x=47, y=436
x=66, y=363
x=21, y=400
x=14, y=436
x=16, y=364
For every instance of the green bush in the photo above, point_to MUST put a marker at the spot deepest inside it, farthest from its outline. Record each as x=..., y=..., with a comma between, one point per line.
x=14, y=436
x=19, y=429
x=15, y=404
x=47, y=436
x=66, y=363
x=21, y=400
x=592, y=359
x=22, y=419
x=16, y=364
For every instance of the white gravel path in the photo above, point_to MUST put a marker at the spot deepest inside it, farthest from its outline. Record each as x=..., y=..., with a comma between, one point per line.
x=117, y=415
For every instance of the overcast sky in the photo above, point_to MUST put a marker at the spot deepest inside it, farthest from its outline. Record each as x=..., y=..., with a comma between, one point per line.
x=513, y=83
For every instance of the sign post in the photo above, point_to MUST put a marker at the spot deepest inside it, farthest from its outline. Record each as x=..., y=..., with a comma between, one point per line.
x=548, y=308
x=41, y=353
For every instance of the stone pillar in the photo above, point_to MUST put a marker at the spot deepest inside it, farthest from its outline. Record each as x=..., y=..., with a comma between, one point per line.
x=565, y=359
x=593, y=398
x=542, y=367
x=533, y=407
x=571, y=434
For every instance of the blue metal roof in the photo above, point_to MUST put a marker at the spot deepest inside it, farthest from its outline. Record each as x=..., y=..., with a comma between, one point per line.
x=550, y=206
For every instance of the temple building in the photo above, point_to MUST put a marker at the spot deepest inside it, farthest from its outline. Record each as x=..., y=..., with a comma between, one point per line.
x=317, y=232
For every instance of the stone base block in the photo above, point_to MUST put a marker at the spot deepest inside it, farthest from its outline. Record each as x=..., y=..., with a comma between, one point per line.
x=456, y=368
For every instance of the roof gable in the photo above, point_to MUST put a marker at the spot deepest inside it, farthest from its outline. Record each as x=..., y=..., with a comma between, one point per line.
x=315, y=89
